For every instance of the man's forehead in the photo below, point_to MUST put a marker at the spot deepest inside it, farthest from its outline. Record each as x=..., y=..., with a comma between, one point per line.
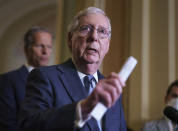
x=97, y=18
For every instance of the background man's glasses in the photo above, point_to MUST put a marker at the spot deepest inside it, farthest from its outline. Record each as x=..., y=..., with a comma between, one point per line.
x=102, y=32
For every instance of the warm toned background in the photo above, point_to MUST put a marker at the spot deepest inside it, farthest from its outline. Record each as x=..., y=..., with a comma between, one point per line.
x=145, y=29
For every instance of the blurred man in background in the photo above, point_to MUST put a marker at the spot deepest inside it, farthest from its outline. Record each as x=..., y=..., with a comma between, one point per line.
x=37, y=48
x=165, y=124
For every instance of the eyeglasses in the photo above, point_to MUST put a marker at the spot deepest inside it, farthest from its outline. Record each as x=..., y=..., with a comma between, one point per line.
x=102, y=32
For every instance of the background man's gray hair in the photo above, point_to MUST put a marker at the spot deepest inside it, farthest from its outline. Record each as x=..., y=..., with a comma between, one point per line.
x=90, y=10
x=28, y=37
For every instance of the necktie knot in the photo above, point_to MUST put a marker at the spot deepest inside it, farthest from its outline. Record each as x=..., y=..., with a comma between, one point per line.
x=88, y=83
x=88, y=79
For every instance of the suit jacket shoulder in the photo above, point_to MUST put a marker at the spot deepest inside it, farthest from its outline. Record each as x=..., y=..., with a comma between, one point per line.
x=12, y=92
x=156, y=125
x=14, y=81
x=14, y=78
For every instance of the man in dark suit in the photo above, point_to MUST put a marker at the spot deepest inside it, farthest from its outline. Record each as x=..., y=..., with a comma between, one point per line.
x=61, y=97
x=38, y=47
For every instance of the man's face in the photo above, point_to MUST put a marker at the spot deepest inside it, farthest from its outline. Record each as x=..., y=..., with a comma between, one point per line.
x=38, y=53
x=90, y=48
x=173, y=94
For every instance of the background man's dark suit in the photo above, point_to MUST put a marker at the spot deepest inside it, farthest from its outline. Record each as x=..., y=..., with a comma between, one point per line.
x=52, y=95
x=37, y=49
x=12, y=92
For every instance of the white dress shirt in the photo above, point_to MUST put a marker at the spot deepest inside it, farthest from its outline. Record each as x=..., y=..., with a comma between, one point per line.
x=79, y=121
x=29, y=68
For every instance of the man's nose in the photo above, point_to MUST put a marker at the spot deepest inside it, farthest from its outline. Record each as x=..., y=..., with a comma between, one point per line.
x=44, y=50
x=93, y=35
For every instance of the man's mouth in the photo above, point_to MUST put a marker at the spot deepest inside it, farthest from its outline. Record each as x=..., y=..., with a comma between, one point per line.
x=44, y=58
x=91, y=50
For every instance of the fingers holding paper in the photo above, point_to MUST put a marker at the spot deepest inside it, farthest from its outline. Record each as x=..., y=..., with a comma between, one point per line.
x=107, y=91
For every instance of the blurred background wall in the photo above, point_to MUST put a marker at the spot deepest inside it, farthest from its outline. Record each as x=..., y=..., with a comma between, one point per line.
x=145, y=29
x=16, y=17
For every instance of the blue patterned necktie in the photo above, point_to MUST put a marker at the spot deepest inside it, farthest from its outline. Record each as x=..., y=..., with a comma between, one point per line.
x=88, y=83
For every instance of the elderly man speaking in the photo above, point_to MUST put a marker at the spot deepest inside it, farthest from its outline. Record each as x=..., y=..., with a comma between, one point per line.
x=61, y=97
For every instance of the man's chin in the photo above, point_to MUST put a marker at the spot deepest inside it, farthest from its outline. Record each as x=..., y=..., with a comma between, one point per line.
x=91, y=61
x=44, y=64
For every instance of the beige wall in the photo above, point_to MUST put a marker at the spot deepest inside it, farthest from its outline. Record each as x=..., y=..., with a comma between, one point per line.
x=114, y=59
x=176, y=34
x=152, y=43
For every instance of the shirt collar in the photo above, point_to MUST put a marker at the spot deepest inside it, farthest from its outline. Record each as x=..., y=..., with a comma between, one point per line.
x=29, y=67
x=82, y=75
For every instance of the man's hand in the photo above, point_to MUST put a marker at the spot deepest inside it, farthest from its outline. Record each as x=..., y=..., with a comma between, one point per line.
x=107, y=91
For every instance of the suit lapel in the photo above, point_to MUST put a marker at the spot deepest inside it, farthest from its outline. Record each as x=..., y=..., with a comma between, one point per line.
x=23, y=73
x=71, y=81
x=100, y=76
x=74, y=86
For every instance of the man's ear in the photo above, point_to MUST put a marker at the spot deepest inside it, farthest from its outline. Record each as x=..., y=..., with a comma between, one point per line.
x=108, y=45
x=69, y=40
x=26, y=50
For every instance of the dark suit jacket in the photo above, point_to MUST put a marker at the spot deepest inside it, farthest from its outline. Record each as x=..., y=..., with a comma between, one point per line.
x=12, y=92
x=51, y=97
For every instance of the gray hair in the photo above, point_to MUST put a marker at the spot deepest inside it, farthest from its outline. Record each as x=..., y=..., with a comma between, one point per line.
x=28, y=37
x=90, y=10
